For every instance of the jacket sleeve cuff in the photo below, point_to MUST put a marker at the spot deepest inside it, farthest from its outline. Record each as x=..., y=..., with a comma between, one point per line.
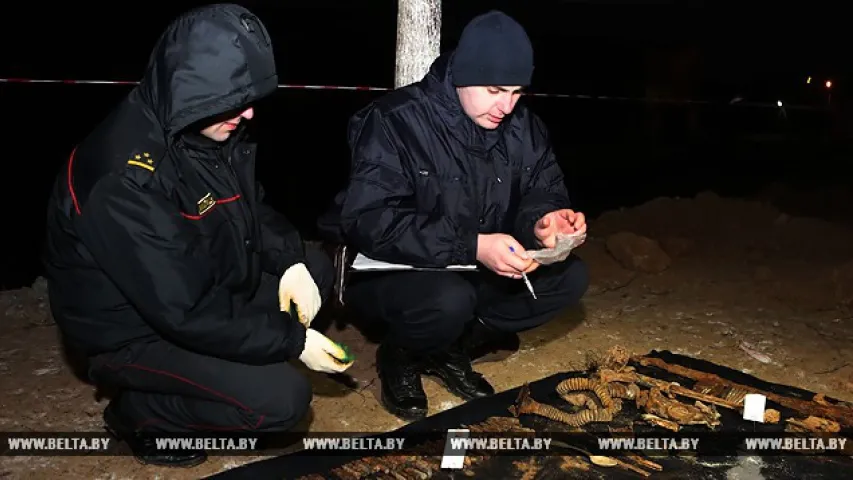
x=465, y=250
x=287, y=260
x=524, y=233
x=296, y=338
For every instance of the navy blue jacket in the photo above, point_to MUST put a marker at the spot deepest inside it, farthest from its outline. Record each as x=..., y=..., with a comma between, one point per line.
x=155, y=232
x=425, y=179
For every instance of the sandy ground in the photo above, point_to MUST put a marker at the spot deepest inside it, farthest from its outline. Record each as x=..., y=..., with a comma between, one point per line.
x=695, y=276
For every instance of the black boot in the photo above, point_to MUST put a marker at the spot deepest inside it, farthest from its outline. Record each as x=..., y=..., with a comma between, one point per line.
x=143, y=447
x=486, y=344
x=453, y=367
x=402, y=392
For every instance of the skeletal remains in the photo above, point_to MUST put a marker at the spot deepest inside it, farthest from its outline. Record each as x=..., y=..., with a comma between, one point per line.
x=598, y=398
x=614, y=382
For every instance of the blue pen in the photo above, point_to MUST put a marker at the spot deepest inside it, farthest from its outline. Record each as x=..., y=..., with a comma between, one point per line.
x=524, y=276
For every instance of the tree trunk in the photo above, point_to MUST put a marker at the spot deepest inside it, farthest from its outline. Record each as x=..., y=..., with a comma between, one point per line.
x=418, y=39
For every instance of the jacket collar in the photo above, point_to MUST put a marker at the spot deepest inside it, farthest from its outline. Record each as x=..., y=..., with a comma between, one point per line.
x=438, y=84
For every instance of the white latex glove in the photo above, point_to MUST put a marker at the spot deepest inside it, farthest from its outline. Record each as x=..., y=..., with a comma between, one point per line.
x=298, y=289
x=320, y=353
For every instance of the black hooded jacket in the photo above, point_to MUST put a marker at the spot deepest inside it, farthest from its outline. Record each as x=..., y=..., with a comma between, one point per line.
x=425, y=179
x=155, y=231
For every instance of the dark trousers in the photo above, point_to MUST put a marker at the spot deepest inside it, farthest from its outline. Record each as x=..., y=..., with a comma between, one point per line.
x=166, y=388
x=428, y=311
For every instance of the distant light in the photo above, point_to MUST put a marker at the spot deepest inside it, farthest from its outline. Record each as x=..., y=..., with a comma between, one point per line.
x=779, y=103
x=828, y=84
x=809, y=80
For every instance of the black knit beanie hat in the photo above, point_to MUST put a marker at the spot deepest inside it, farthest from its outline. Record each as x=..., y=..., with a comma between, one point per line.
x=493, y=50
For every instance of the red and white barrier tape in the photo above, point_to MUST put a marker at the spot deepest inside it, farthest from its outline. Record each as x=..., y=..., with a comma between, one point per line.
x=385, y=89
x=334, y=87
x=309, y=87
x=128, y=82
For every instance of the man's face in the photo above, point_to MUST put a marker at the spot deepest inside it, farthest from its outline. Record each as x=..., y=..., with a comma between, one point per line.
x=220, y=131
x=488, y=105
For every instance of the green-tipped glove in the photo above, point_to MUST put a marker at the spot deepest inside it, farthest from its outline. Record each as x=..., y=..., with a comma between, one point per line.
x=323, y=355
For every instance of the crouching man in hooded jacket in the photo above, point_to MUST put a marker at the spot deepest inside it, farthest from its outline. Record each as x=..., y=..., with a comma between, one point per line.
x=451, y=171
x=165, y=267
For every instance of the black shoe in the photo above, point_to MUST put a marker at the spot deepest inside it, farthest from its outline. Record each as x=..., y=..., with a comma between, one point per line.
x=402, y=392
x=486, y=344
x=143, y=448
x=453, y=368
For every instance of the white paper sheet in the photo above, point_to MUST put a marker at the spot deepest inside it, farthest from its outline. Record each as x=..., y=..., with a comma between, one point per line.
x=753, y=407
x=454, y=458
x=363, y=263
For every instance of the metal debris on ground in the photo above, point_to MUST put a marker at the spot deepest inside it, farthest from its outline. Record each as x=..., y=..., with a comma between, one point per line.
x=610, y=384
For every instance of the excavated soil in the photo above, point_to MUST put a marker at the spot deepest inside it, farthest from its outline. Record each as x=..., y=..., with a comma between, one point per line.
x=695, y=276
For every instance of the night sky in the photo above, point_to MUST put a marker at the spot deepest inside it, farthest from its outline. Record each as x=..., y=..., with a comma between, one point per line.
x=695, y=50
x=582, y=47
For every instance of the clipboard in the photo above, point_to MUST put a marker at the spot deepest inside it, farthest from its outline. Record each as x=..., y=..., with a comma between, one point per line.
x=346, y=263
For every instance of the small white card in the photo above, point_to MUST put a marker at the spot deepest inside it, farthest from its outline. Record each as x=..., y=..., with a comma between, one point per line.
x=753, y=407
x=454, y=455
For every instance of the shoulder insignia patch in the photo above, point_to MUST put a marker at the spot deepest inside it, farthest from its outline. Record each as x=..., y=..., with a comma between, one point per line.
x=205, y=204
x=143, y=160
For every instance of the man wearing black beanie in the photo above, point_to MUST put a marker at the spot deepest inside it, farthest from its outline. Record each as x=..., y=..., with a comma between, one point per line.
x=451, y=171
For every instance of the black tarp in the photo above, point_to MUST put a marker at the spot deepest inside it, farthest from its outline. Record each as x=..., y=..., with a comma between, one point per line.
x=729, y=466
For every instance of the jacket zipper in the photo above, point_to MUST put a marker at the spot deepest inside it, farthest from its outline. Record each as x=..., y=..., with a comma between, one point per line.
x=244, y=205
